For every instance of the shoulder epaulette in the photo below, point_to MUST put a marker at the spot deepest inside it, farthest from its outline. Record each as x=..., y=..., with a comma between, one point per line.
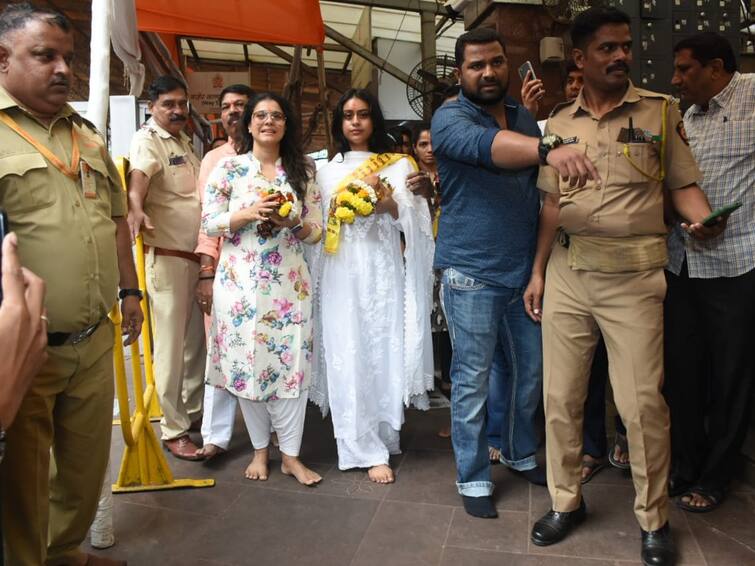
x=560, y=106
x=652, y=94
x=92, y=127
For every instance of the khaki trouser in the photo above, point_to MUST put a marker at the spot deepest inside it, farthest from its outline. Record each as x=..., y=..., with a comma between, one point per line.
x=627, y=308
x=69, y=408
x=180, y=352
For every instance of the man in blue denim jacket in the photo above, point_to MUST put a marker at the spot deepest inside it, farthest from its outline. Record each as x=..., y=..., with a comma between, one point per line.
x=488, y=149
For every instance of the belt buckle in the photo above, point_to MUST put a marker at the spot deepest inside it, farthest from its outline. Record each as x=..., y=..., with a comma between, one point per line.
x=84, y=334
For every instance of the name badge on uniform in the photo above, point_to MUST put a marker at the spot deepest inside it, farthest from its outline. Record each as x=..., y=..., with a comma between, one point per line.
x=88, y=182
x=177, y=160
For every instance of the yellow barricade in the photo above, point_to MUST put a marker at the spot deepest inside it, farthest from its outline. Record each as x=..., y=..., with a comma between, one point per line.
x=143, y=467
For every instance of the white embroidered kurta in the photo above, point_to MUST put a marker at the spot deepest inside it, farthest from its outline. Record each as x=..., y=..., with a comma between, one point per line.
x=373, y=350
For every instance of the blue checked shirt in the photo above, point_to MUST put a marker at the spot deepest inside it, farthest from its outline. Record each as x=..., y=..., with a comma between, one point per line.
x=723, y=143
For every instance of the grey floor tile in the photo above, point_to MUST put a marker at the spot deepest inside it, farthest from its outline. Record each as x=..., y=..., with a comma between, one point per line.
x=719, y=548
x=150, y=535
x=735, y=518
x=512, y=492
x=453, y=556
x=420, y=431
x=210, y=501
x=351, y=483
x=271, y=527
x=426, y=477
x=418, y=520
x=508, y=533
x=404, y=534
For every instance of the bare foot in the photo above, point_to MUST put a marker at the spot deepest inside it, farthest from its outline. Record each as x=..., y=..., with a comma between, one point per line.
x=257, y=468
x=292, y=466
x=209, y=451
x=445, y=432
x=381, y=474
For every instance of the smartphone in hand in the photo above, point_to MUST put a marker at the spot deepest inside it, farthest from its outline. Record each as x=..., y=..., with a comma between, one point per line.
x=724, y=211
x=4, y=229
x=527, y=66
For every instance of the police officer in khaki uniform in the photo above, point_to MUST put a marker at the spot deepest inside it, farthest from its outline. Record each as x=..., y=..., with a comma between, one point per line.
x=605, y=274
x=64, y=200
x=164, y=204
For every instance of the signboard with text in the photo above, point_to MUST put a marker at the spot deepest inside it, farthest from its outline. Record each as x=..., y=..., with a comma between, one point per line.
x=205, y=87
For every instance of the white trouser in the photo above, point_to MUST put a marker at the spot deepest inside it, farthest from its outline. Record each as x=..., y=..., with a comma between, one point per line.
x=219, y=414
x=286, y=417
x=371, y=449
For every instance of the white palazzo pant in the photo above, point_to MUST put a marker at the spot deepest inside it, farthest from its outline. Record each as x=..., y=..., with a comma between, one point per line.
x=284, y=416
x=371, y=449
x=219, y=414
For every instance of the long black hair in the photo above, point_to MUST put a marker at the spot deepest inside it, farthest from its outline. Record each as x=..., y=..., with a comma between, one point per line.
x=297, y=167
x=379, y=141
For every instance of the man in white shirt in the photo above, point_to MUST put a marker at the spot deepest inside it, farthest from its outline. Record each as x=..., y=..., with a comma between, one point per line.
x=710, y=304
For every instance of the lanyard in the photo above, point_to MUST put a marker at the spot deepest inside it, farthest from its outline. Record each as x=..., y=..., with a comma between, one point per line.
x=664, y=126
x=71, y=171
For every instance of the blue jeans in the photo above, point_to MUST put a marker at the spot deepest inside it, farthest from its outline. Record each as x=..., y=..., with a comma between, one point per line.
x=482, y=318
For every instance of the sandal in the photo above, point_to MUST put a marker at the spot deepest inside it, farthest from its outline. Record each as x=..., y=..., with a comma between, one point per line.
x=494, y=455
x=714, y=498
x=620, y=442
x=594, y=466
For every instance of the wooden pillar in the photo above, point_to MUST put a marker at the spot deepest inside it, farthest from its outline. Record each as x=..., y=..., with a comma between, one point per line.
x=323, y=88
x=427, y=47
x=293, y=86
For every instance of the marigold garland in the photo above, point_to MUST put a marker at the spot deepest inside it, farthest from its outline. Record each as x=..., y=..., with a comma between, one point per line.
x=358, y=198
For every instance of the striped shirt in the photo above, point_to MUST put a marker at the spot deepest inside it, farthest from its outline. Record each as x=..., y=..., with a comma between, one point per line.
x=723, y=143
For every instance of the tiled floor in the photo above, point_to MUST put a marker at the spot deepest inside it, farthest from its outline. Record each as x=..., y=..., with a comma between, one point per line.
x=347, y=520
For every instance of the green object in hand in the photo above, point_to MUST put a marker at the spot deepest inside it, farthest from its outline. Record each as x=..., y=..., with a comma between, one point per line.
x=712, y=218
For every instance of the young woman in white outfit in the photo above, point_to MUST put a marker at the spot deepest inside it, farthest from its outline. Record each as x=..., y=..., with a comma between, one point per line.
x=373, y=350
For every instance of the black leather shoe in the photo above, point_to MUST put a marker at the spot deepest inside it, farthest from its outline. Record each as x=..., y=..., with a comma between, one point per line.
x=658, y=547
x=555, y=525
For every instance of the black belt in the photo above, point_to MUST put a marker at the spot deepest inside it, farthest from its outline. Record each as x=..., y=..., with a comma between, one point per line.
x=563, y=238
x=72, y=338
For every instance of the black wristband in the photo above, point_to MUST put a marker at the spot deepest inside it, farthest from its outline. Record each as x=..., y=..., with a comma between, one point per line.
x=206, y=277
x=123, y=293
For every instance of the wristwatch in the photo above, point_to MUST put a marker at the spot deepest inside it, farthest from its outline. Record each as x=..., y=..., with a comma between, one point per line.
x=548, y=143
x=123, y=293
x=299, y=225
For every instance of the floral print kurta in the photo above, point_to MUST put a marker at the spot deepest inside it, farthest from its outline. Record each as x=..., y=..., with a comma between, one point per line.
x=260, y=342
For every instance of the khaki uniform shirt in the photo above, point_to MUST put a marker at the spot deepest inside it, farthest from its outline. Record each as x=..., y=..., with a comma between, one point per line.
x=64, y=237
x=629, y=201
x=172, y=202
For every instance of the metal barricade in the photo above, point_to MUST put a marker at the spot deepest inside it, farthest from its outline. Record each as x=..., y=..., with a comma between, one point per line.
x=143, y=466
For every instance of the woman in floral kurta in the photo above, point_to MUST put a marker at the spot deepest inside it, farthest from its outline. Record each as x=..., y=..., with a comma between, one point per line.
x=260, y=343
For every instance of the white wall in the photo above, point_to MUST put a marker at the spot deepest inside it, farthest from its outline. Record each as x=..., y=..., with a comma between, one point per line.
x=391, y=91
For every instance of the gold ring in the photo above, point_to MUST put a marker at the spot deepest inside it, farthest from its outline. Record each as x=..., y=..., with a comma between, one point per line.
x=43, y=317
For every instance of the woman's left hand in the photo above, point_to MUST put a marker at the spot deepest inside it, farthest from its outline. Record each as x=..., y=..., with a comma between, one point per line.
x=386, y=203
x=288, y=222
